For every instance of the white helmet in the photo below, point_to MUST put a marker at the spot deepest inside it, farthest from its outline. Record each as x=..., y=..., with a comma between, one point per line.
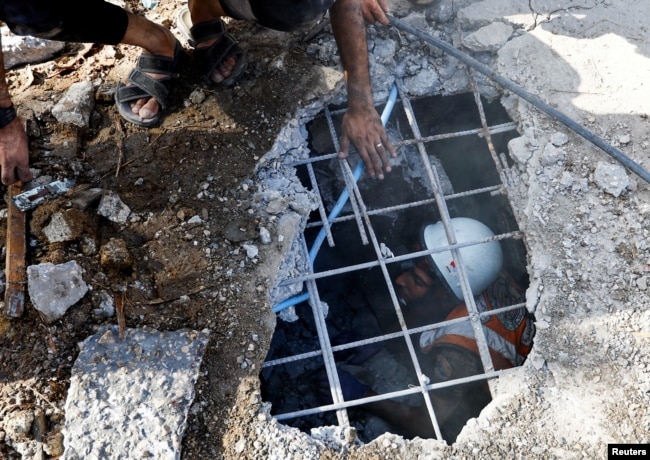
x=482, y=261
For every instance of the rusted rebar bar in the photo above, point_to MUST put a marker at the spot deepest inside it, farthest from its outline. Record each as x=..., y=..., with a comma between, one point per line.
x=15, y=260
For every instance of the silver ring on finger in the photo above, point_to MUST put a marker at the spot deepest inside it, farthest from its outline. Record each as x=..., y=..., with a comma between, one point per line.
x=379, y=145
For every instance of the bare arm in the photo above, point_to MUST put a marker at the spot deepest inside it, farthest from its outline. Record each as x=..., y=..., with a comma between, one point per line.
x=361, y=123
x=14, y=155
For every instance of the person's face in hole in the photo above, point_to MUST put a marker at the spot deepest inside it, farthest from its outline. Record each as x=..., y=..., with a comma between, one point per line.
x=412, y=285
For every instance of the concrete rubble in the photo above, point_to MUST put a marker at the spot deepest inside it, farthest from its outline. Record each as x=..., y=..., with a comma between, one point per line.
x=55, y=288
x=19, y=50
x=586, y=221
x=586, y=383
x=138, y=389
x=76, y=105
x=113, y=208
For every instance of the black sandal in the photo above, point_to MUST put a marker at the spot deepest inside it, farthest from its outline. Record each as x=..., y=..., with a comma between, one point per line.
x=144, y=86
x=215, y=54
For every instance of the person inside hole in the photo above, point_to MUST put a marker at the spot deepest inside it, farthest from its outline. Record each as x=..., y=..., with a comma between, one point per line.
x=431, y=288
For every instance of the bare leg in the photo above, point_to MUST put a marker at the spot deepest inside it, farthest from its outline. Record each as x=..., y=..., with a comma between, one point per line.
x=205, y=10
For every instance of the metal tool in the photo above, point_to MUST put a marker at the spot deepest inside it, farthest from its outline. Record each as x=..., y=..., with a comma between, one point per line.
x=15, y=257
x=32, y=198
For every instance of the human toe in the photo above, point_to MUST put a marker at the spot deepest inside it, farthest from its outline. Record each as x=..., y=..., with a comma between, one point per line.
x=149, y=110
x=224, y=70
x=137, y=106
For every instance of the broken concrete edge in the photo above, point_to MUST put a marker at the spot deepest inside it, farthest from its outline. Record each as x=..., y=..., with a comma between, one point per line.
x=533, y=370
x=139, y=389
x=20, y=50
x=53, y=289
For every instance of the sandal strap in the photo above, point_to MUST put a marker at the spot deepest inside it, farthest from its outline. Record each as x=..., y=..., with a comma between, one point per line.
x=221, y=50
x=143, y=86
x=208, y=30
x=157, y=64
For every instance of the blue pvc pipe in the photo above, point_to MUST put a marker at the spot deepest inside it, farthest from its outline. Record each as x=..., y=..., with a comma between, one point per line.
x=338, y=207
x=291, y=301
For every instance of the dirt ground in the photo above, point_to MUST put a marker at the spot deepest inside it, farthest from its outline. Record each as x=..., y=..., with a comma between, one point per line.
x=208, y=147
x=584, y=384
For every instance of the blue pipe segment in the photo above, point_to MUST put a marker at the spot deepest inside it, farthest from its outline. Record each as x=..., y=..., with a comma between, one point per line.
x=338, y=207
x=345, y=195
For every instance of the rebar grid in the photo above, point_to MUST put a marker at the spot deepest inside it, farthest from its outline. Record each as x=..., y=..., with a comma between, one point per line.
x=362, y=215
x=396, y=259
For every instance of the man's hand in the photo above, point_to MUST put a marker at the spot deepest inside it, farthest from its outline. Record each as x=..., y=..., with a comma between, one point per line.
x=363, y=128
x=375, y=11
x=14, y=155
x=361, y=123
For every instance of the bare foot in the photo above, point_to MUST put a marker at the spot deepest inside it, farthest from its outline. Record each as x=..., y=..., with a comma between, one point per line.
x=224, y=70
x=147, y=108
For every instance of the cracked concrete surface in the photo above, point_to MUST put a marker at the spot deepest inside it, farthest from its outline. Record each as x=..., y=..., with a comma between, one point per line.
x=587, y=382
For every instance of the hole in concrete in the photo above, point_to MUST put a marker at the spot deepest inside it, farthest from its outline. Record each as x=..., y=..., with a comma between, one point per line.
x=355, y=327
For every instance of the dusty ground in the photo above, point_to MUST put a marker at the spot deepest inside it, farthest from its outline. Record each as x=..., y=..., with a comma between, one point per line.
x=195, y=164
x=209, y=147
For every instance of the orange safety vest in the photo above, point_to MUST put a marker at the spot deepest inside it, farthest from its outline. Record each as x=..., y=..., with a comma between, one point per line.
x=509, y=334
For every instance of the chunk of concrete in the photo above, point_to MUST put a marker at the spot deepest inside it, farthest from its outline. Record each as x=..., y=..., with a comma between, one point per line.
x=131, y=396
x=441, y=11
x=65, y=226
x=53, y=289
x=480, y=14
x=113, y=208
x=19, y=50
x=611, y=178
x=489, y=38
x=519, y=150
x=425, y=82
x=76, y=105
x=551, y=155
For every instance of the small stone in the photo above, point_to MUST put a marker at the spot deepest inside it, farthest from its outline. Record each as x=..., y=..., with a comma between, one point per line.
x=611, y=178
x=55, y=288
x=251, y=250
x=197, y=96
x=240, y=446
x=551, y=155
x=559, y=139
x=18, y=424
x=54, y=445
x=107, y=338
x=112, y=207
x=115, y=255
x=265, y=236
